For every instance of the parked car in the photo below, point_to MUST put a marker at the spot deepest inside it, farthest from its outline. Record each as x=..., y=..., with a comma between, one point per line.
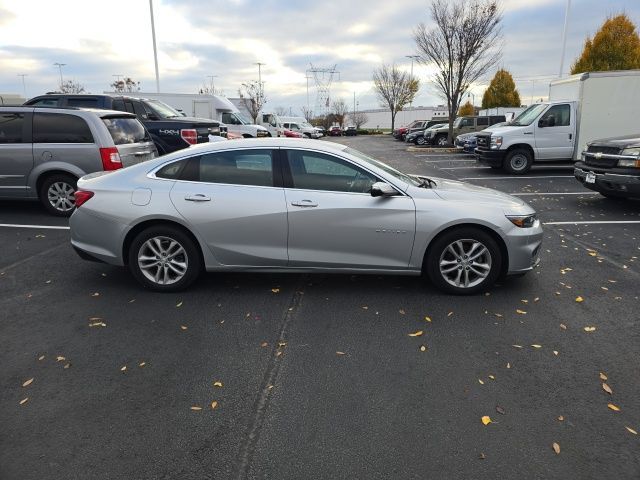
x=304, y=128
x=421, y=137
x=335, y=131
x=611, y=167
x=292, y=133
x=350, y=131
x=463, y=125
x=299, y=205
x=401, y=132
x=43, y=151
x=169, y=129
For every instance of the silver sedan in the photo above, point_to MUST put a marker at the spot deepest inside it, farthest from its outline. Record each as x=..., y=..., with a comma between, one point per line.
x=298, y=206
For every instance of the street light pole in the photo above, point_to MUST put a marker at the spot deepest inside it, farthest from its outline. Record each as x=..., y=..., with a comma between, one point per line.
x=24, y=86
x=260, y=64
x=211, y=84
x=412, y=57
x=155, y=50
x=60, y=65
x=564, y=36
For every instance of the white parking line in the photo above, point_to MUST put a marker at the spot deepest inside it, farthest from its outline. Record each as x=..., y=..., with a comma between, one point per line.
x=520, y=194
x=516, y=177
x=594, y=222
x=440, y=155
x=40, y=227
x=464, y=168
x=453, y=160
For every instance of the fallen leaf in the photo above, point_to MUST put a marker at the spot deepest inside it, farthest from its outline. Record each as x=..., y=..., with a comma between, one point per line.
x=517, y=346
x=416, y=334
x=561, y=418
x=524, y=300
x=275, y=290
x=98, y=324
x=508, y=365
x=179, y=304
x=480, y=382
x=613, y=407
x=60, y=359
x=217, y=384
x=123, y=369
x=579, y=299
x=340, y=353
x=536, y=346
x=555, y=352
x=196, y=408
x=482, y=456
x=41, y=357
x=521, y=312
x=423, y=348
x=498, y=315
x=556, y=448
x=589, y=329
x=401, y=311
x=492, y=377
x=607, y=389
x=631, y=430
x=183, y=327
x=96, y=294
x=67, y=366
x=500, y=410
x=563, y=326
x=428, y=319
x=264, y=344
x=282, y=344
x=278, y=353
x=603, y=376
x=537, y=299
x=214, y=404
x=24, y=400
x=28, y=382
x=593, y=254
x=142, y=364
x=449, y=314
x=486, y=420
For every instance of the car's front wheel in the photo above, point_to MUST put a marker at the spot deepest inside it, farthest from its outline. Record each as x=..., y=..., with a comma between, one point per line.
x=463, y=261
x=165, y=259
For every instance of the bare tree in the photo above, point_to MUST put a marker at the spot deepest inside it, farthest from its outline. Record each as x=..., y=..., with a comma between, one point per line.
x=358, y=119
x=395, y=89
x=339, y=110
x=126, y=85
x=210, y=90
x=463, y=44
x=307, y=113
x=71, y=86
x=281, y=111
x=252, y=97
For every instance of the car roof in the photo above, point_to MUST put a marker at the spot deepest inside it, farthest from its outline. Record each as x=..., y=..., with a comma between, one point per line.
x=56, y=109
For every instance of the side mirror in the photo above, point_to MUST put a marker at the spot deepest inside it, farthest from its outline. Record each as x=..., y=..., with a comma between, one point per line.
x=382, y=189
x=152, y=116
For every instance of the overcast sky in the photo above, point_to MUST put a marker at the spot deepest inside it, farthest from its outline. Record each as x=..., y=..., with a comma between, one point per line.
x=196, y=38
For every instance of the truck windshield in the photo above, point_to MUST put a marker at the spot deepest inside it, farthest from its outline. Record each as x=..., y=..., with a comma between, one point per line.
x=529, y=115
x=243, y=118
x=163, y=110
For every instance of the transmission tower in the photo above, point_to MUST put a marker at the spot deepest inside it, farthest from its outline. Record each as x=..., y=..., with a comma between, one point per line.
x=323, y=78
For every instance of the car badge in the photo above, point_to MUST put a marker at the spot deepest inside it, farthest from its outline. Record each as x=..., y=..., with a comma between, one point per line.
x=598, y=155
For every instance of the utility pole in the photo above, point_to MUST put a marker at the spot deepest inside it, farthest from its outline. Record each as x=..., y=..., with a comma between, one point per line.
x=24, y=86
x=412, y=57
x=308, y=77
x=60, y=65
x=354, y=106
x=155, y=50
x=564, y=36
x=261, y=87
x=211, y=84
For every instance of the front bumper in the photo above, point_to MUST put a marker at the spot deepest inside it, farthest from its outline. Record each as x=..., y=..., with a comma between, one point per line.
x=621, y=184
x=523, y=246
x=493, y=158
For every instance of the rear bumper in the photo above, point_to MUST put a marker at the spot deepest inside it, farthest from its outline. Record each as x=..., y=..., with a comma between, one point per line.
x=606, y=182
x=493, y=158
x=97, y=238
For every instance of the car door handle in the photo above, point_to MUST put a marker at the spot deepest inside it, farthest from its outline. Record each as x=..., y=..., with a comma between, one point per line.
x=198, y=197
x=304, y=203
x=527, y=133
x=140, y=154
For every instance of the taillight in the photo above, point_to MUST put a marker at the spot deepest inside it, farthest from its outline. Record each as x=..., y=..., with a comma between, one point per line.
x=81, y=196
x=189, y=135
x=110, y=158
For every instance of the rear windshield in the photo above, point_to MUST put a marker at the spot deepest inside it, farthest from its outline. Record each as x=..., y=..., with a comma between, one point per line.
x=126, y=130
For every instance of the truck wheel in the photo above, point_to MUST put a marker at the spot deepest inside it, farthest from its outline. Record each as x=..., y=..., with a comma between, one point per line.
x=441, y=140
x=518, y=161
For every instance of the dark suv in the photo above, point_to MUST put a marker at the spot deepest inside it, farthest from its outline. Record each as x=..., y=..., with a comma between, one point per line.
x=169, y=129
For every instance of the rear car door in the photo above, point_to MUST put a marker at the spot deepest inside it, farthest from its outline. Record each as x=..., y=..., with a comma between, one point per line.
x=555, y=133
x=16, y=154
x=231, y=199
x=334, y=222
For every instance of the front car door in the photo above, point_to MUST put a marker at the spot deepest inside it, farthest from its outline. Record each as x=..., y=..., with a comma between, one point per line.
x=16, y=153
x=555, y=133
x=334, y=222
x=230, y=199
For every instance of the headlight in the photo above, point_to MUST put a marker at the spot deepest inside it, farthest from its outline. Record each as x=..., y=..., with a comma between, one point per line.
x=523, y=221
x=629, y=163
x=496, y=142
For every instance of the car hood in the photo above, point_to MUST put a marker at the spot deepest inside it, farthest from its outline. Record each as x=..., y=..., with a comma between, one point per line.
x=455, y=191
x=500, y=130
x=621, y=142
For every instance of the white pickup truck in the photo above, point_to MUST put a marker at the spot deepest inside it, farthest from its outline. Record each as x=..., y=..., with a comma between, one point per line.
x=581, y=108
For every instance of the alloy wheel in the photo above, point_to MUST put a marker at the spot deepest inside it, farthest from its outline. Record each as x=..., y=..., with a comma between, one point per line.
x=61, y=196
x=163, y=260
x=465, y=263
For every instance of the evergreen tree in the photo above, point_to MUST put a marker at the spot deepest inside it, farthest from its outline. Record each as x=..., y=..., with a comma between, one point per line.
x=501, y=92
x=616, y=46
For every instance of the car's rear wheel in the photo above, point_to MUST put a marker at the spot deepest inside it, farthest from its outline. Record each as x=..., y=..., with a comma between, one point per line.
x=518, y=161
x=464, y=261
x=441, y=140
x=421, y=141
x=57, y=194
x=165, y=259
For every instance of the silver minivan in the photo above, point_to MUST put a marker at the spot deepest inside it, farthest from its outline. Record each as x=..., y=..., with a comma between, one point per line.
x=44, y=151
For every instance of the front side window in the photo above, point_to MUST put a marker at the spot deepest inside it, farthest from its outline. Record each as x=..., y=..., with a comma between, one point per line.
x=60, y=128
x=11, y=127
x=239, y=167
x=557, y=116
x=317, y=171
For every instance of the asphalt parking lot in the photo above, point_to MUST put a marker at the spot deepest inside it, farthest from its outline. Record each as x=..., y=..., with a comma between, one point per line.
x=317, y=376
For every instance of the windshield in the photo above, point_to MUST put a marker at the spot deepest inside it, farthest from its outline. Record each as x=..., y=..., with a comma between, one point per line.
x=306, y=125
x=529, y=115
x=383, y=166
x=436, y=126
x=163, y=110
x=243, y=118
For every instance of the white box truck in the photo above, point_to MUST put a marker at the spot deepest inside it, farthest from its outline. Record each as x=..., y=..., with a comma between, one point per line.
x=214, y=107
x=581, y=108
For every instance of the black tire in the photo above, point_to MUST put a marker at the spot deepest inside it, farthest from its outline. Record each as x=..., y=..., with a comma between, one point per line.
x=57, y=194
x=518, y=161
x=190, y=256
x=439, y=253
x=441, y=141
x=421, y=141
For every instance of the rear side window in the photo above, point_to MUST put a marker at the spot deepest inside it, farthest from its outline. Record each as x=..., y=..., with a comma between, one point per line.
x=47, y=102
x=118, y=104
x=173, y=170
x=240, y=167
x=82, y=102
x=126, y=130
x=60, y=128
x=11, y=127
